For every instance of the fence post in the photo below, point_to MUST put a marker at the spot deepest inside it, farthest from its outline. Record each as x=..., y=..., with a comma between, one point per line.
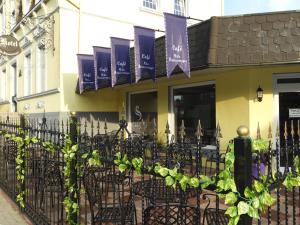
x=73, y=166
x=243, y=165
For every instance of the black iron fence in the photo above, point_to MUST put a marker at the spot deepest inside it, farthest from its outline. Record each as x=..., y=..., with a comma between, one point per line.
x=107, y=196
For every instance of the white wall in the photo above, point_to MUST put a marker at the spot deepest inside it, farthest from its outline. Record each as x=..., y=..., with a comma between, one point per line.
x=101, y=19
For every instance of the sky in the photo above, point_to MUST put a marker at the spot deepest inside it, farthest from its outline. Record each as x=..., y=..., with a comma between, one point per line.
x=236, y=7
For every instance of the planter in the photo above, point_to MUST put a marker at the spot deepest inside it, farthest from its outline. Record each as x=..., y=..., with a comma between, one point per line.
x=262, y=169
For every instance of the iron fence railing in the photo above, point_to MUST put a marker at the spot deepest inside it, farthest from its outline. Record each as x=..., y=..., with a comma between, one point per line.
x=107, y=196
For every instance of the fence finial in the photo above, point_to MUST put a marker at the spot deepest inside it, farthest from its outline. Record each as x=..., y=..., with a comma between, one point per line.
x=258, y=135
x=199, y=133
x=270, y=131
x=285, y=131
x=218, y=131
x=292, y=129
x=98, y=126
x=105, y=126
x=182, y=130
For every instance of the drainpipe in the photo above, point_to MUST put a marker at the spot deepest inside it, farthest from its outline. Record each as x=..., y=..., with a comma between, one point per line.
x=79, y=15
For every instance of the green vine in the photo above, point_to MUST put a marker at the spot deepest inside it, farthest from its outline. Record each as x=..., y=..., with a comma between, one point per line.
x=254, y=200
x=22, y=141
x=70, y=200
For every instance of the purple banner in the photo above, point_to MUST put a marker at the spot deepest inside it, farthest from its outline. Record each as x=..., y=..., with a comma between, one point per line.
x=120, y=61
x=144, y=47
x=102, y=63
x=177, y=47
x=86, y=71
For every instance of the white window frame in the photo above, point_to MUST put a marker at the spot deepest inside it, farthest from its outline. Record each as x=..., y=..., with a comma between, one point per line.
x=13, y=82
x=184, y=8
x=27, y=71
x=40, y=74
x=13, y=18
x=25, y=6
x=3, y=85
x=128, y=111
x=150, y=8
x=171, y=114
x=3, y=20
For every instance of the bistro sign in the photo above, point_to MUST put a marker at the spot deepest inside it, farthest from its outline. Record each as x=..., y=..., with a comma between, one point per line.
x=9, y=45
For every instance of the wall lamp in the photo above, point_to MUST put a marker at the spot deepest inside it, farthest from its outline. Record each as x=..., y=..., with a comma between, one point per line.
x=259, y=94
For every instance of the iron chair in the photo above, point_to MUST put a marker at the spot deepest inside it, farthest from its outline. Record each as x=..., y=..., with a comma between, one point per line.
x=109, y=194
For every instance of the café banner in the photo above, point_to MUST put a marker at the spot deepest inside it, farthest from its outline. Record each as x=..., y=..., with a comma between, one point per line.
x=144, y=48
x=86, y=72
x=120, y=61
x=102, y=63
x=177, y=46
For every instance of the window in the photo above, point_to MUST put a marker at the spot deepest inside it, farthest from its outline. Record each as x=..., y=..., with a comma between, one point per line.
x=179, y=7
x=27, y=75
x=12, y=14
x=191, y=104
x=25, y=6
x=2, y=21
x=40, y=70
x=3, y=85
x=13, y=87
x=143, y=107
x=151, y=4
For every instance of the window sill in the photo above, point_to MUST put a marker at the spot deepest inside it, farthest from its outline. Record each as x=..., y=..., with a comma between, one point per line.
x=153, y=11
x=41, y=94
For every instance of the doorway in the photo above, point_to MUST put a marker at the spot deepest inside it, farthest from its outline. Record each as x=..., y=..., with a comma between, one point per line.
x=287, y=110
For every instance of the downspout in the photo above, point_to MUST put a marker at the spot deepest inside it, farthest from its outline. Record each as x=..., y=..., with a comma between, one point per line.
x=79, y=15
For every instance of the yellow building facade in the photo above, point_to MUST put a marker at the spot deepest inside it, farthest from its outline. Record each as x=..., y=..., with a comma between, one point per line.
x=233, y=56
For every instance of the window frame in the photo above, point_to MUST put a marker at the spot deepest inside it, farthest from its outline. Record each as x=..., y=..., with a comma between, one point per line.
x=149, y=8
x=38, y=87
x=184, y=8
x=25, y=72
x=171, y=114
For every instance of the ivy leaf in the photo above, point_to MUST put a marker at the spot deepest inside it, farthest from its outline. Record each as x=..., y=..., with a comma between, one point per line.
x=253, y=213
x=183, y=182
x=194, y=182
x=258, y=186
x=205, y=181
x=230, y=198
x=173, y=172
x=256, y=203
x=229, y=159
x=163, y=171
x=243, y=208
x=249, y=193
x=84, y=156
x=122, y=167
x=266, y=199
x=169, y=181
x=234, y=220
x=232, y=211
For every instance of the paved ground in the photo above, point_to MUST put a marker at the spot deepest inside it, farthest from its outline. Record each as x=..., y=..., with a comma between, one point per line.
x=10, y=213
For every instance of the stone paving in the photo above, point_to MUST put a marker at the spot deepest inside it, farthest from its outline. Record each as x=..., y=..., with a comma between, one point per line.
x=10, y=213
